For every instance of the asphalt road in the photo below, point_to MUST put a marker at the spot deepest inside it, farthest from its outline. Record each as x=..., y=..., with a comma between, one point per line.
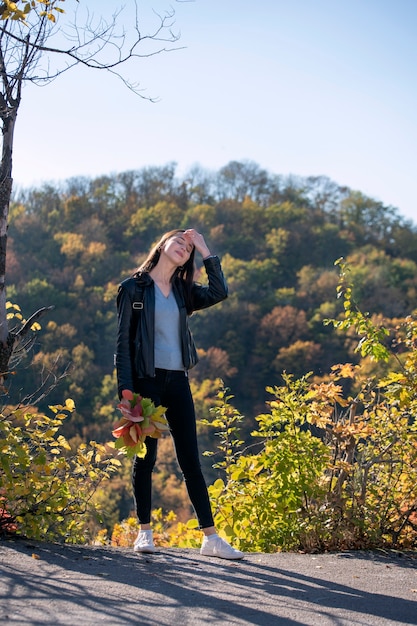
x=50, y=584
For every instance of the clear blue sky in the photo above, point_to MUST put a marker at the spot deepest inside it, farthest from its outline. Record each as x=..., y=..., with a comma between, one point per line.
x=303, y=87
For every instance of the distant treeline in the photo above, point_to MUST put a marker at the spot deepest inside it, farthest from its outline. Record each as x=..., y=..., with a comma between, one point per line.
x=278, y=237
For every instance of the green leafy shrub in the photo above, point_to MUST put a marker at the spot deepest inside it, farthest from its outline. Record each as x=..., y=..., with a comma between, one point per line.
x=337, y=464
x=264, y=494
x=46, y=488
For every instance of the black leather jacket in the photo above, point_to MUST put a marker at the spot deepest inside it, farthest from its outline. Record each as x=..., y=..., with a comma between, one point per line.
x=136, y=322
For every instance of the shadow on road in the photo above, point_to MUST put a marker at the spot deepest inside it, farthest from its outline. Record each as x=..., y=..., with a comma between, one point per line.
x=88, y=583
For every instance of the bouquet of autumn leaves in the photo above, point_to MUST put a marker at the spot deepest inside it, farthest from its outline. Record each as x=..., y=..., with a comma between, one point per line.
x=141, y=419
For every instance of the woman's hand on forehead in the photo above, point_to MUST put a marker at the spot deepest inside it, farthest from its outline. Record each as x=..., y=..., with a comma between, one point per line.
x=193, y=236
x=197, y=240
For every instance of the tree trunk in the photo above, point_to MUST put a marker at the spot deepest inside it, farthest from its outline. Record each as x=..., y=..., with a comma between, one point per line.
x=6, y=341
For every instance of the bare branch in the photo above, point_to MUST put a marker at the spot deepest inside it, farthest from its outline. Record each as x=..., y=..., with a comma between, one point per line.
x=90, y=41
x=33, y=318
x=49, y=381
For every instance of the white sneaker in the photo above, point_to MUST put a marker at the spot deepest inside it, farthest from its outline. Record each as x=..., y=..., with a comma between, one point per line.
x=144, y=542
x=216, y=546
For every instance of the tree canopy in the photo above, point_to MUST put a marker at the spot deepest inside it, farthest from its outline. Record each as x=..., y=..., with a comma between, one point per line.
x=278, y=239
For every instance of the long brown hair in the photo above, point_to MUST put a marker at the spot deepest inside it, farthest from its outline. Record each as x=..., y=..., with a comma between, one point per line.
x=184, y=272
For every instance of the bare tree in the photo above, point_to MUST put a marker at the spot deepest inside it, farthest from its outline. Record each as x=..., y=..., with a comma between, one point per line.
x=38, y=43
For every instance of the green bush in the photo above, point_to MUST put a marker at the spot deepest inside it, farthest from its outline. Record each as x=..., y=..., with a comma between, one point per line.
x=46, y=488
x=336, y=463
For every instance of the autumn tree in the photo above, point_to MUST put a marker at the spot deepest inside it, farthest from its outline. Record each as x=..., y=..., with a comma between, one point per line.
x=39, y=41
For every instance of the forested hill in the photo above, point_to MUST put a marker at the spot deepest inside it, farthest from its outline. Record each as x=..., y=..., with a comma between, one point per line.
x=278, y=238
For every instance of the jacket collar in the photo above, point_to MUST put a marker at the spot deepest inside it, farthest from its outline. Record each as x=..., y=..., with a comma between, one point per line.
x=143, y=279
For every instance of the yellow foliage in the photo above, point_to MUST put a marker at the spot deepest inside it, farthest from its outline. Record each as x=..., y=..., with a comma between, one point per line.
x=46, y=487
x=72, y=244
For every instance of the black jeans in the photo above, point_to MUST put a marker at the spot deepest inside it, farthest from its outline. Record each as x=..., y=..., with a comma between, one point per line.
x=172, y=390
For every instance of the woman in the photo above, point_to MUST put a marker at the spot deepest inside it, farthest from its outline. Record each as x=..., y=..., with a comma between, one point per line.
x=155, y=350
